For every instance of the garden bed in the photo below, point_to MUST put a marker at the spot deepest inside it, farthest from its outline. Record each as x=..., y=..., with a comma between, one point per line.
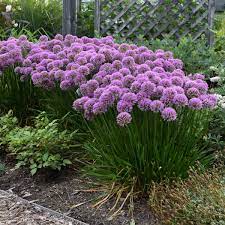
x=70, y=195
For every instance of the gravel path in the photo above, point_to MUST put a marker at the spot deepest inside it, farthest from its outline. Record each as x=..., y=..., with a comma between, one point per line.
x=17, y=211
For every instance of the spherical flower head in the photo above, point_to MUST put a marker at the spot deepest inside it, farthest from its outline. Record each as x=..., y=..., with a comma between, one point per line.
x=128, y=61
x=84, y=70
x=158, y=63
x=98, y=59
x=209, y=101
x=192, y=93
x=159, y=91
x=92, y=85
x=81, y=61
x=88, y=105
x=59, y=37
x=143, y=68
x=169, y=114
x=99, y=108
x=129, y=97
x=107, y=98
x=144, y=104
x=177, y=81
x=198, y=76
x=158, y=70
x=124, y=106
x=140, y=96
x=117, y=83
x=177, y=63
x=117, y=65
x=148, y=88
x=130, y=53
x=98, y=92
x=66, y=85
x=180, y=100
x=202, y=87
x=22, y=38
x=135, y=86
x=115, y=90
x=57, y=48
x=195, y=103
x=156, y=106
x=116, y=76
x=178, y=73
x=79, y=103
x=123, y=119
x=165, y=82
x=169, y=93
x=168, y=66
x=128, y=80
x=125, y=71
x=43, y=38
x=123, y=47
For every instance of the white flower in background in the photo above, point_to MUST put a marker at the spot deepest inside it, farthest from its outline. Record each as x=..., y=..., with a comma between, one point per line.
x=16, y=25
x=222, y=105
x=215, y=79
x=8, y=8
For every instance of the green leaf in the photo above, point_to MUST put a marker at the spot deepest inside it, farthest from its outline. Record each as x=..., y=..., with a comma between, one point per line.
x=67, y=162
x=33, y=171
x=45, y=156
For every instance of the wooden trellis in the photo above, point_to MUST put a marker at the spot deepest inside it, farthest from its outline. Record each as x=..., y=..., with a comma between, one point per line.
x=155, y=19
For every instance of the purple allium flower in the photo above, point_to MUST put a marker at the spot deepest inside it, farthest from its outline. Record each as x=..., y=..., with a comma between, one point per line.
x=107, y=98
x=99, y=108
x=180, y=100
x=128, y=80
x=165, y=83
x=195, y=103
x=129, y=97
x=123, y=119
x=169, y=114
x=124, y=106
x=148, y=88
x=135, y=86
x=145, y=104
x=156, y=106
x=177, y=81
x=128, y=61
x=192, y=93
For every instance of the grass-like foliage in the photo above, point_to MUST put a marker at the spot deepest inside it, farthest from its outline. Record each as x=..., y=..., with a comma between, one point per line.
x=147, y=149
x=198, y=200
x=41, y=146
x=19, y=96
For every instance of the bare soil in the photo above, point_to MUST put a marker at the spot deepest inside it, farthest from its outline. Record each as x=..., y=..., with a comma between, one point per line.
x=73, y=195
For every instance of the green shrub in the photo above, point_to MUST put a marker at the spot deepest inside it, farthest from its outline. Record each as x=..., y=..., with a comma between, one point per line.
x=147, y=149
x=198, y=200
x=42, y=146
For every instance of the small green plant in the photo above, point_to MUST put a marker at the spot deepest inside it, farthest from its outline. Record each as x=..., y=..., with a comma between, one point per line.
x=42, y=146
x=198, y=200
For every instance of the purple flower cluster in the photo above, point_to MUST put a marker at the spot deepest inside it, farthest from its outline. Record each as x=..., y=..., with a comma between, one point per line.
x=12, y=51
x=107, y=74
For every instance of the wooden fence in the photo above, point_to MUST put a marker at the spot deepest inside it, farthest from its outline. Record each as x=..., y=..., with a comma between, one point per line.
x=148, y=18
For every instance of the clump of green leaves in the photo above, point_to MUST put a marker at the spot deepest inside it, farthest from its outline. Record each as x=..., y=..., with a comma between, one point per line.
x=42, y=145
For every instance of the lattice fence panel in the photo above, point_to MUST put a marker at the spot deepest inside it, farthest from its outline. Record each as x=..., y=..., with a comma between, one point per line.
x=154, y=19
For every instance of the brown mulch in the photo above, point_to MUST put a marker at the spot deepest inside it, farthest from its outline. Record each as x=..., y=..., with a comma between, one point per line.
x=72, y=195
x=17, y=211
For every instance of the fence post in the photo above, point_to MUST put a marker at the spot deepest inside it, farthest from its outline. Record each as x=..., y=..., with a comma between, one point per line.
x=211, y=12
x=69, y=20
x=97, y=17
